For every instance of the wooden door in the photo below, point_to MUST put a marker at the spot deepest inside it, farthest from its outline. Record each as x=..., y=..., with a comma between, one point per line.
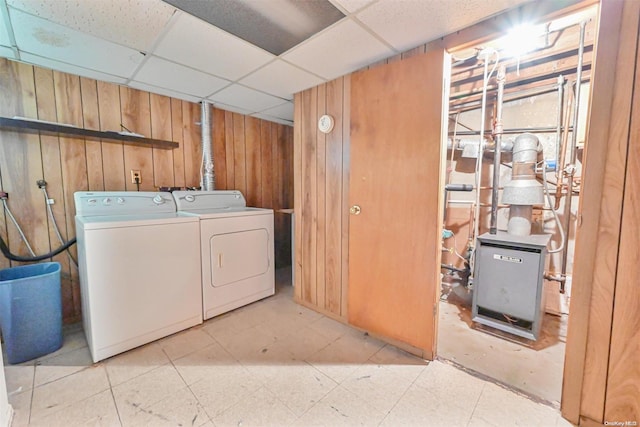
x=396, y=172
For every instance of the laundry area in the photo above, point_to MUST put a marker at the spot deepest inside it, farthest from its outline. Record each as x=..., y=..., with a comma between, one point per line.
x=326, y=212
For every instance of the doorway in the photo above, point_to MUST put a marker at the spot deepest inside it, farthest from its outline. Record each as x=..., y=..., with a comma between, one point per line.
x=523, y=83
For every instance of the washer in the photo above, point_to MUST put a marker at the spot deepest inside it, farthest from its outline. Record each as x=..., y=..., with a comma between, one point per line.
x=236, y=244
x=139, y=264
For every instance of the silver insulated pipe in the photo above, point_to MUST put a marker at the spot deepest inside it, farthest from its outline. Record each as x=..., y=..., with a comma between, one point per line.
x=523, y=191
x=208, y=174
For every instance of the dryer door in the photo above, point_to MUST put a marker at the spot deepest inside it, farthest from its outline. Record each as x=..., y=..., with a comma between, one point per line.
x=237, y=256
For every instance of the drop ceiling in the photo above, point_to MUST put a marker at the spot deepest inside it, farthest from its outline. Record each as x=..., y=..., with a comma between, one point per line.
x=153, y=46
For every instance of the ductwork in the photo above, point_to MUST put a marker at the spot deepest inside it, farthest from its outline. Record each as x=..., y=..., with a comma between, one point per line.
x=523, y=191
x=208, y=174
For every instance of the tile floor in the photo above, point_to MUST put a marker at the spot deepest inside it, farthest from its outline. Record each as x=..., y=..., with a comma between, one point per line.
x=272, y=363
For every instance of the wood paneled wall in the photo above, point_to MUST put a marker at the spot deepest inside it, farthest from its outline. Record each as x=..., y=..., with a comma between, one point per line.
x=321, y=165
x=602, y=366
x=251, y=155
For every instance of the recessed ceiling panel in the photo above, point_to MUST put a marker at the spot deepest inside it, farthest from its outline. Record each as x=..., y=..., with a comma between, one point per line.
x=49, y=40
x=419, y=21
x=69, y=68
x=282, y=111
x=197, y=44
x=171, y=76
x=281, y=79
x=246, y=98
x=275, y=25
x=132, y=23
x=163, y=91
x=344, y=48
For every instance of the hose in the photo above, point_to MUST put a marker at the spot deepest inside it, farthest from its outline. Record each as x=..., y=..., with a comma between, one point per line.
x=43, y=186
x=13, y=219
x=5, y=251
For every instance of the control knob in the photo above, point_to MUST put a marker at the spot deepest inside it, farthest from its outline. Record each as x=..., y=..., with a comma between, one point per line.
x=190, y=198
x=158, y=200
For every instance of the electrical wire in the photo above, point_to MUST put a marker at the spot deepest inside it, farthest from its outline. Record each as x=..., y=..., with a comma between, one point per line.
x=13, y=219
x=555, y=215
x=55, y=225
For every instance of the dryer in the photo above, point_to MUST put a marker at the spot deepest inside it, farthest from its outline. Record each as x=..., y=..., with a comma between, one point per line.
x=237, y=248
x=139, y=264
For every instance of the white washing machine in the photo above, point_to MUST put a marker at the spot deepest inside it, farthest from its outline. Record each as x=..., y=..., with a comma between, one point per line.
x=139, y=264
x=236, y=244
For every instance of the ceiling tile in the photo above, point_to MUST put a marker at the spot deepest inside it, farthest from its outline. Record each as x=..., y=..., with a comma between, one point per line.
x=5, y=40
x=246, y=98
x=159, y=72
x=45, y=39
x=163, y=91
x=7, y=52
x=283, y=111
x=132, y=23
x=231, y=108
x=69, y=68
x=281, y=79
x=351, y=5
x=419, y=21
x=341, y=49
x=197, y=44
x=272, y=119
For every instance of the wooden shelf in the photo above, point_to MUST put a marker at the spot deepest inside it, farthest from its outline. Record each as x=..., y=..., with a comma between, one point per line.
x=27, y=125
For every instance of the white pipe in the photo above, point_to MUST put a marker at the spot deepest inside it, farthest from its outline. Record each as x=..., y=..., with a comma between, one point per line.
x=476, y=222
x=208, y=177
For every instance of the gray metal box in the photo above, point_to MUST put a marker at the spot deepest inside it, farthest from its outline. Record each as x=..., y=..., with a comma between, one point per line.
x=508, y=282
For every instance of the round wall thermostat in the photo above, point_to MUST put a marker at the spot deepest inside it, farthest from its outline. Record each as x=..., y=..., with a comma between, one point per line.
x=325, y=123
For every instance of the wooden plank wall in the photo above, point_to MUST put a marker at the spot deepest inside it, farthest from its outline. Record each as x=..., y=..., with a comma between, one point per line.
x=320, y=201
x=252, y=155
x=599, y=278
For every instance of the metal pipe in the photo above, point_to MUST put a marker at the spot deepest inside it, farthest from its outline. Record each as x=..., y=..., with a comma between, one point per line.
x=559, y=128
x=501, y=78
x=563, y=151
x=208, y=176
x=510, y=131
x=483, y=118
x=574, y=148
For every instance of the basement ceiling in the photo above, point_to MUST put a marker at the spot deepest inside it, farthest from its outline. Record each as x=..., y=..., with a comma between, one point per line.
x=277, y=50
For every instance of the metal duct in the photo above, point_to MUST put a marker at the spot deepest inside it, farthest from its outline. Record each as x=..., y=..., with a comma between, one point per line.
x=523, y=191
x=208, y=176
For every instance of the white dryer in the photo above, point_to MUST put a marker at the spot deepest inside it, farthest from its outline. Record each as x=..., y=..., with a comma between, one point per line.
x=236, y=244
x=140, y=269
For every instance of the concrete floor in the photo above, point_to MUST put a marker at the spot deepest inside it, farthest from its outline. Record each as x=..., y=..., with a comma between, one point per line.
x=534, y=368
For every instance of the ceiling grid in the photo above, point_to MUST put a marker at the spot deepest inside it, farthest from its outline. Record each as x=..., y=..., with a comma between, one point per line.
x=157, y=46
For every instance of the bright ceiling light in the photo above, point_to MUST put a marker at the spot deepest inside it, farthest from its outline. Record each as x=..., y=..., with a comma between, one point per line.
x=520, y=40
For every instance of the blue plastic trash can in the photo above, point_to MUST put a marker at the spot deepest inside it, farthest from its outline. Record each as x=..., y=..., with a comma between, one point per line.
x=30, y=310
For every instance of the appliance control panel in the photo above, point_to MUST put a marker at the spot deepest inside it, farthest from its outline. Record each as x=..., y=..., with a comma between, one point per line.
x=209, y=200
x=98, y=203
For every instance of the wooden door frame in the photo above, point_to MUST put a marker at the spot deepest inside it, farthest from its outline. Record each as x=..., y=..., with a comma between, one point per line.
x=600, y=210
